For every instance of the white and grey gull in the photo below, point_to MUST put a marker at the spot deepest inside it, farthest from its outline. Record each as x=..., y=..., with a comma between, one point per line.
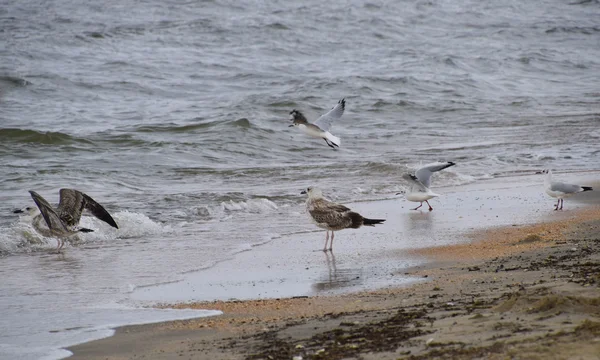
x=419, y=190
x=320, y=128
x=62, y=221
x=333, y=217
x=560, y=190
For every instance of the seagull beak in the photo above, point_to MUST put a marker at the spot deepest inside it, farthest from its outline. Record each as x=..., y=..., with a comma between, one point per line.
x=18, y=211
x=303, y=192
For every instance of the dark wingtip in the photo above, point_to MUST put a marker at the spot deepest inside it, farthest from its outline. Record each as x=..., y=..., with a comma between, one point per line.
x=587, y=188
x=451, y=163
x=18, y=211
x=85, y=230
x=113, y=223
x=372, y=222
x=343, y=102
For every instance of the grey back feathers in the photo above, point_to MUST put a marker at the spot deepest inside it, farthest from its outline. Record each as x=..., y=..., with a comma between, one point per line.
x=566, y=188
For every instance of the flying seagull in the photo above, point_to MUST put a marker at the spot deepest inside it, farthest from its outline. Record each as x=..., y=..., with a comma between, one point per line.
x=62, y=222
x=333, y=217
x=419, y=190
x=320, y=128
x=561, y=190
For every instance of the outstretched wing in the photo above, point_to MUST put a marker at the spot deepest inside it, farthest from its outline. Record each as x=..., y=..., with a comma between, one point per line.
x=72, y=203
x=325, y=121
x=52, y=219
x=99, y=211
x=70, y=206
x=414, y=182
x=425, y=172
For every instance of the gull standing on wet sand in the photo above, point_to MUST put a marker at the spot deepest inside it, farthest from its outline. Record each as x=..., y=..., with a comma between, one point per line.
x=320, y=128
x=333, y=217
x=561, y=190
x=419, y=190
x=62, y=222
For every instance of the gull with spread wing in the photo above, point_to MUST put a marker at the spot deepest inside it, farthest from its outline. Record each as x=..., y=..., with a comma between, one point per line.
x=419, y=190
x=62, y=221
x=320, y=128
x=333, y=217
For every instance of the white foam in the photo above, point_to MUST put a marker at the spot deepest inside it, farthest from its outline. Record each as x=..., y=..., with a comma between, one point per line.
x=21, y=237
x=131, y=225
x=254, y=206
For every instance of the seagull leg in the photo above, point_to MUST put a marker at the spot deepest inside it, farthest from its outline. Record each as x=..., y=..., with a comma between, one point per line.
x=418, y=206
x=330, y=145
x=430, y=208
x=562, y=201
x=556, y=206
x=331, y=243
x=326, y=240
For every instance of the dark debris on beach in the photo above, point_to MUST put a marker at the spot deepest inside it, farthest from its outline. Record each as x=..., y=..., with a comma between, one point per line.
x=400, y=335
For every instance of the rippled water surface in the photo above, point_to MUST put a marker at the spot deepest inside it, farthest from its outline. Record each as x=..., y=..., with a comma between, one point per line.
x=174, y=115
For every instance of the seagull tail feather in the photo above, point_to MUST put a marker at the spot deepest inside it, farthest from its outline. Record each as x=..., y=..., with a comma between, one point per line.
x=333, y=139
x=586, y=188
x=372, y=222
x=85, y=230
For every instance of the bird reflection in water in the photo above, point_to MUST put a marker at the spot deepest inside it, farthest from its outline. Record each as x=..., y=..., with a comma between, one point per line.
x=337, y=279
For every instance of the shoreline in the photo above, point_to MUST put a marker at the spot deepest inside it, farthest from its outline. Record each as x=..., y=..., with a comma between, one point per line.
x=474, y=302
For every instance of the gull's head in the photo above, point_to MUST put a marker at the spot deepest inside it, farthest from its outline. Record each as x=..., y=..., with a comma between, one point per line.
x=30, y=210
x=297, y=117
x=313, y=193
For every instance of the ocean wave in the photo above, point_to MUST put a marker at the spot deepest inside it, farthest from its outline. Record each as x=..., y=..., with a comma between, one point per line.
x=253, y=206
x=26, y=136
x=173, y=128
x=228, y=208
x=14, y=80
x=587, y=30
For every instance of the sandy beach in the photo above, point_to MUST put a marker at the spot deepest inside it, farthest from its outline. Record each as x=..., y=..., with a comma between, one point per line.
x=520, y=281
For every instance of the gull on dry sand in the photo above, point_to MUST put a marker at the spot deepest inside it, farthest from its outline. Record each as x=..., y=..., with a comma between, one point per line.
x=561, y=190
x=62, y=222
x=320, y=128
x=333, y=217
x=419, y=190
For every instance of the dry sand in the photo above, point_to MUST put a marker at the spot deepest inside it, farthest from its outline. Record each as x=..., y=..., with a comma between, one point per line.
x=519, y=292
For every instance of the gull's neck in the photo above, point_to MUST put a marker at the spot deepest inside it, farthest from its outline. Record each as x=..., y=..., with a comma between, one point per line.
x=548, y=178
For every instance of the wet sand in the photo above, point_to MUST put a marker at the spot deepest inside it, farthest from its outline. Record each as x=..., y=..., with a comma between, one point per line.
x=504, y=289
